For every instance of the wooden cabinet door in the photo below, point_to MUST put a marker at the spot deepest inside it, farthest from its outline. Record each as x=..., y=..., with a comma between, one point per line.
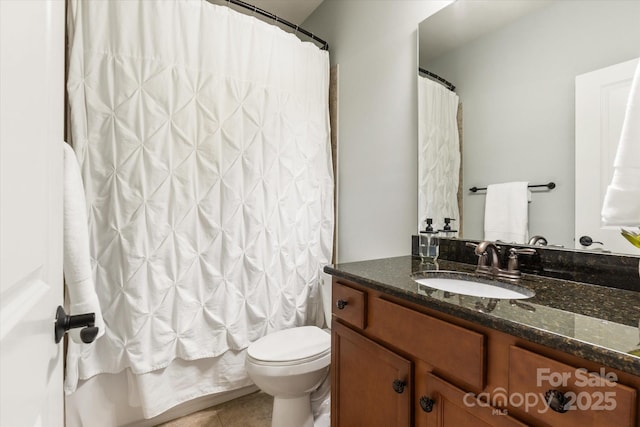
x=449, y=406
x=371, y=384
x=591, y=400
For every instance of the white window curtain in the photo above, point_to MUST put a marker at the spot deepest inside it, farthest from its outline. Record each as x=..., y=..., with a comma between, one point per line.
x=438, y=153
x=203, y=140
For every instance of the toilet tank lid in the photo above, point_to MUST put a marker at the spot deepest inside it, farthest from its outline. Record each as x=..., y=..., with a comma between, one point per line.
x=291, y=344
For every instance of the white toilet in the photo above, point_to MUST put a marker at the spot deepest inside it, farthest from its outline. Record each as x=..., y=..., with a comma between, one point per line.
x=289, y=365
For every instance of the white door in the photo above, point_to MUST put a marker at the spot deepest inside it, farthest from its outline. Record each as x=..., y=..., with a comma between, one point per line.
x=31, y=133
x=601, y=99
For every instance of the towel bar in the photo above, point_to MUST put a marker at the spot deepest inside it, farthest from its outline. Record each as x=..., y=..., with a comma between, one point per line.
x=550, y=186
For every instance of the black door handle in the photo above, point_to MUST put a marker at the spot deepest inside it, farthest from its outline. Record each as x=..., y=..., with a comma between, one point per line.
x=64, y=322
x=588, y=241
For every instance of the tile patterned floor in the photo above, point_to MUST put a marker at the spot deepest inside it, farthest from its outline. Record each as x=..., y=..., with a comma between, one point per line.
x=253, y=410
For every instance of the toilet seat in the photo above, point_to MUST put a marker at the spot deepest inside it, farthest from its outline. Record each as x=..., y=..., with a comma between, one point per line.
x=293, y=345
x=291, y=351
x=325, y=353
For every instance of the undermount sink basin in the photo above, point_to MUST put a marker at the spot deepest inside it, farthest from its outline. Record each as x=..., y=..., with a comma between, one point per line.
x=468, y=284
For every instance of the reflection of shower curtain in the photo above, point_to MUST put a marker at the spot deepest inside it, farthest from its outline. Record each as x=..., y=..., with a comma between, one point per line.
x=438, y=153
x=203, y=139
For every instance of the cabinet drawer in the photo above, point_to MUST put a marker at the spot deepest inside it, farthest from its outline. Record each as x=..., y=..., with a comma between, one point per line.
x=348, y=304
x=456, y=352
x=591, y=400
x=451, y=406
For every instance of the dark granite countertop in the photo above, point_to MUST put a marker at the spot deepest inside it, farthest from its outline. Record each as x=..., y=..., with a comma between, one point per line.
x=594, y=322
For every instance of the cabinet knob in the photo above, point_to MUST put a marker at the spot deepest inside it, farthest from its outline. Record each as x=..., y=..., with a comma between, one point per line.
x=556, y=400
x=426, y=403
x=398, y=386
x=341, y=304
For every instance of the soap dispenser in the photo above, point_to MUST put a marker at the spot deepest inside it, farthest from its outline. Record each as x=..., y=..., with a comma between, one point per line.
x=428, y=242
x=447, y=231
x=429, y=227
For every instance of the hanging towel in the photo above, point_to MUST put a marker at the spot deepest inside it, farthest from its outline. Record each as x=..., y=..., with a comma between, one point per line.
x=77, y=265
x=506, y=216
x=622, y=199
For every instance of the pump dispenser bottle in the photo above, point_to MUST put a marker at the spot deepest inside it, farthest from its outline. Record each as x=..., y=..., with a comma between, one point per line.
x=447, y=231
x=428, y=243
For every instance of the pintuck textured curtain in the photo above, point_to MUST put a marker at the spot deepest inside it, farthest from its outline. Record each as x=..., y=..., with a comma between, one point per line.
x=438, y=153
x=203, y=140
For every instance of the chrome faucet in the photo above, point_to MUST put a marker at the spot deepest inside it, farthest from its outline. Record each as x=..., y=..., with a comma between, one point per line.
x=488, y=257
x=489, y=260
x=538, y=240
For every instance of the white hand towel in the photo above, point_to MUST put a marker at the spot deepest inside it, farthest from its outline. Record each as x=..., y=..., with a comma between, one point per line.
x=622, y=199
x=77, y=264
x=506, y=212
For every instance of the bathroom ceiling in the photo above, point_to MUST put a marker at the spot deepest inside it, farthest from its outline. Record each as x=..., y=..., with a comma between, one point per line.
x=294, y=11
x=470, y=19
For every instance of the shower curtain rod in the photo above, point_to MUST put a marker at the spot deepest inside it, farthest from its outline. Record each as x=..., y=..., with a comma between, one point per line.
x=446, y=83
x=255, y=9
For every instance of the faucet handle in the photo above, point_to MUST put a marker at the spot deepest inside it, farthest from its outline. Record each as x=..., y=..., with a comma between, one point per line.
x=522, y=251
x=513, y=265
x=482, y=258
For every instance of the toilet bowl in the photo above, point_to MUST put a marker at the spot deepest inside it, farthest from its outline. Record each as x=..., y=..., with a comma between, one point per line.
x=292, y=363
x=289, y=365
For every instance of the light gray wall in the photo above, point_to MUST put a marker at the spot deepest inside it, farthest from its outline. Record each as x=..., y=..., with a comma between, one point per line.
x=374, y=43
x=524, y=129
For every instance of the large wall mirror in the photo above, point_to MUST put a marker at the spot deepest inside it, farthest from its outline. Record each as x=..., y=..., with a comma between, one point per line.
x=514, y=66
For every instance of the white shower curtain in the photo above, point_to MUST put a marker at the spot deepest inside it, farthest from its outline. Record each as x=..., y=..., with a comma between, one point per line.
x=438, y=153
x=203, y=140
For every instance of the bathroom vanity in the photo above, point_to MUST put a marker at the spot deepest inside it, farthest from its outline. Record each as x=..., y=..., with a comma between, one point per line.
x=404, y=354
